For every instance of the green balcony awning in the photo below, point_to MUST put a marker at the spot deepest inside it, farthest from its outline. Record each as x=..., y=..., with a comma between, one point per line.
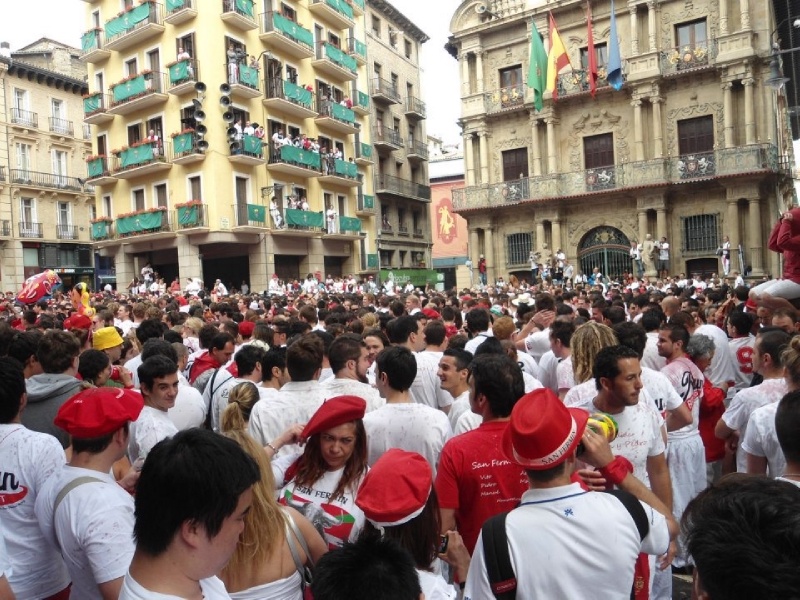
x=248, y=76
x=349, y=224
x=96, y=167
x=179, y=72
x=342, y=113
x=124, y=91
x=340, y=58
x=245, y=7
x=292, y=91
x=346, y=168
x=129, y=20
x=252, y=145
x=141, y=222
x=183, y=143
x=293, y=30
x=136, y=156
x=89, y=40
x=341, y=6
x=301, y=157
x=303, y=218
x=92, y=104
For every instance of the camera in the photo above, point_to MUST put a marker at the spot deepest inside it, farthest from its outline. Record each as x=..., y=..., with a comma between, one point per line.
x=443, y=544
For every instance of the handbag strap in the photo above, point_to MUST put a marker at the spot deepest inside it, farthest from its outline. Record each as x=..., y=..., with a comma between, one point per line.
x=298, y=564
x=300, y=538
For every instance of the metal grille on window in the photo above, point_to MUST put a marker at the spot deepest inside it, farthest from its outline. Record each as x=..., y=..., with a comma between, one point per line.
x=518, y=248
x=700, y=233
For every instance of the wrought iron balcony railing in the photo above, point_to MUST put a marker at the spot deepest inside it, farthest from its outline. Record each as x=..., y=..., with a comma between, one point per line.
x=66, y=232
x=389, y=184
x=24, y=117
x=61, y=126
x=689, y=57
x=29, y=229
x=25, y=177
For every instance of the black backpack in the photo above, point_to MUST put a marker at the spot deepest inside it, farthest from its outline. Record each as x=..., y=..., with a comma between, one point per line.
x=495, y=545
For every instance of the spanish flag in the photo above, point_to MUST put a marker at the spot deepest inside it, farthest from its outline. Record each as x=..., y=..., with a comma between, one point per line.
x=557, y=58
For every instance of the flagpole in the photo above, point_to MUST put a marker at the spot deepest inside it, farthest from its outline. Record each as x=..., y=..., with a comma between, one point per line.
x=555, y=25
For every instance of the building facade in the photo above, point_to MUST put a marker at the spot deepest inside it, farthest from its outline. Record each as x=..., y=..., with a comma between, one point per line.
x=400, y=141
x=45, y=205
x=189, y=109
x=690, y=149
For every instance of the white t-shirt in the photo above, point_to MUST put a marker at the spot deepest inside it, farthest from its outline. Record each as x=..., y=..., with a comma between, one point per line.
x=412, y=427
x=93, y=527
x=565, y=379
x=28, y=460
x=743, y=405
x=742, y=351
x=351, y=387
x=548, y=365
x=151, y=427
x=761, y=439
x=434, y=587
x=658, y=388
x=189, y=410
x=216, y=395
x=663, y=251
x=687, y=380
x=468, y=421
x=426, y=388
x=212, y=588
x=537, y=343
x=459, y=406
x=133, y=366
x=5, y=563
x=529, y=365
x=651, y=358
x=476, y=341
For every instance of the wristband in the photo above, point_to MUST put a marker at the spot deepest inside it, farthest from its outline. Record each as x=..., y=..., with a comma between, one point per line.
x=273, y=448
x=617, y=470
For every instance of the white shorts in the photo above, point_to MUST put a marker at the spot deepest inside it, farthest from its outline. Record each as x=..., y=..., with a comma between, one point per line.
x=779, y=288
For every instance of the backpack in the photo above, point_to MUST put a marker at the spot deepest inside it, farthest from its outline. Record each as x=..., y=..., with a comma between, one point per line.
x=495, y=545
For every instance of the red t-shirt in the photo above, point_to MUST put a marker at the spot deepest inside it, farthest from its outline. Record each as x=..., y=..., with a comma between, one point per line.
x=477, y=480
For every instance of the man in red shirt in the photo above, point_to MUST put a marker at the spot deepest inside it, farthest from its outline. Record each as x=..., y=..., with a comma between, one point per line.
x=475, y=480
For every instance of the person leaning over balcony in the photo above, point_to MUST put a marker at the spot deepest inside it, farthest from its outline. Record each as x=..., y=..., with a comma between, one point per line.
x=784, y=239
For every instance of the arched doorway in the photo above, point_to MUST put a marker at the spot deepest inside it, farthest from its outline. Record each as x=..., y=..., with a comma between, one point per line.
x=606, y=248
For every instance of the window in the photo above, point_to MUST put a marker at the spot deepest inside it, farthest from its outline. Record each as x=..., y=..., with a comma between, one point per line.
x=377, y=69
x=98, y=82
x=57, y=109
x=195, y=188
x=96, y=19
x=240, y=187
x=408, y=48
x=107, y=212
x=515, y=164
x=161, y=194
x=598, y=150
x=512, y=91
x=397, y=126
x=92, y=212
x=24, y=162
x=64, y=222
x=341, y=202
x=334, y=40
x=291, y=74
x=134, y=133
x=700, y=233
x=600, y=54
x=101, y=145
x=187, y=43
x=27, y=212
x=154, y=61
x=131, y=67
x=518, y=248
x=696, y=135
x=691, y=34
x=511, y=77
x=138, y=200
x=376, y=26
x=239, y=48
x=395, y=83
x=288, y=12
x=393, y=37
x=59, y=158
x=21, y=99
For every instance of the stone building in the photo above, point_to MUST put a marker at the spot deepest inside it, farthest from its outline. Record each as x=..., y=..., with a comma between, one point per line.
x=692, y=148
x=45, y=205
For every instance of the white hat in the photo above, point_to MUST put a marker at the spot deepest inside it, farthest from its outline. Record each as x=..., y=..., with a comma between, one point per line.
x=522, y=299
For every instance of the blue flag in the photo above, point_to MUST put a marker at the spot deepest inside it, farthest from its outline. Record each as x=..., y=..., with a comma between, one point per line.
x=614, y=75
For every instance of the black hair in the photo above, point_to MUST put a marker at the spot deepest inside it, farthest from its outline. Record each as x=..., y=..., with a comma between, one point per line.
x=400, y=366
x=773, y=342
x=787, y=426
x=462, y=357
x=206, y=335
x=221, y=340
x=156, y=367
x=478, y=320
x=247, y=357
x=652, y=319
x=56, y=351
x=23, y=345
x=606, y=364
x=400, y=329
x=631, y=335
x=172, y=336
x=491, y=345
x=159, y=347
x=499, y=379
x=304, y=358
x=741, y=321
x=12, y=387
x=196, y=476
x=677, y=333
x=91, y=363
x=562, y=331
x=148, y=329
x=345, y=348
x=274, y=357
x=435, y=332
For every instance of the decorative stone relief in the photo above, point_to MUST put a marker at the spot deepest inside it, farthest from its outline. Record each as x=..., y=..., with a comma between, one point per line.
x=689, y=12
x=696, y=110
x=506, y=144
x=596, y=122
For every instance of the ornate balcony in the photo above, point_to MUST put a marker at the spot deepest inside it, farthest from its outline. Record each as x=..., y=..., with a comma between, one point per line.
x=24, y=119
x=301, y=223
x=414, y=108
x=5, y=228
x=385, y=91
x=66, y=231
x=357, y=49
x=144, y=159
x=336, y=12
x=284, y=34
x=295, y=162
x=183, y=75
x=250, y=152
x=180, y=11
x=142, y=22
x=24, y=178
x=61, y=127
x=98, y=171
x=693, y=166
x=191, y=218
x=343, y=228
x=416, y=151
x=332, y=61
x=577, y=82
x=95, y=109
x=240, y=14
x=388, y=185
x=506, y=99
x=92, y=49
x=289, y=98
x=386, y=140
x=145, y=90
x=335, y=117
x=688, y=58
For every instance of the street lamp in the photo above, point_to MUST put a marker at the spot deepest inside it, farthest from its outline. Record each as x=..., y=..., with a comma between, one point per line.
x=776, y=79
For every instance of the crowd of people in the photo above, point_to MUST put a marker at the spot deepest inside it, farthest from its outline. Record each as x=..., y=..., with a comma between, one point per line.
x=349, y=440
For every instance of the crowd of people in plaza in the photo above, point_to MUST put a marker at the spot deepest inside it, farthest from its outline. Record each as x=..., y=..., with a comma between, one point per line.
x=348, y=439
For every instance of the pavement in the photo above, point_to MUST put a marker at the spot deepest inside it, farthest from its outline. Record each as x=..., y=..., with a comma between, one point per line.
x=681, y=587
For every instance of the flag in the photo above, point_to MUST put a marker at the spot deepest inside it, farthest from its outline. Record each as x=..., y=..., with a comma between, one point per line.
x=614, y=67
x=256, y=213
x=557, y=58
x=592, y=66
x=537, y=69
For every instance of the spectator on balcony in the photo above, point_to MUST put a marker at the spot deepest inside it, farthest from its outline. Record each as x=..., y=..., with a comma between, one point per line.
x=184, y=55
x=663, y=258
x=233, y=63
x=337, y=154
x=275, y=213
x=259, y=132
x=249, y=129
x=346, y=102
x=155, y=142
x=304, y=204
x=331, y=217
x=254, y=63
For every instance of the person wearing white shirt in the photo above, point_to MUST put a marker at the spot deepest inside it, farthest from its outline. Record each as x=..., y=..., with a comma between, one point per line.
x=349, y=360
x=81, y=509
x=158, y=376
x=248, y=361
x=453, y=374
x=478, y=323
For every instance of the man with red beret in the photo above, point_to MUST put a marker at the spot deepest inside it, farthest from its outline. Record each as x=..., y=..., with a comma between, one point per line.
x=82, y=510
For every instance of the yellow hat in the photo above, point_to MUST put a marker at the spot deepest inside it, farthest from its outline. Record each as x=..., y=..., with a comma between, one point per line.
x=106, y=337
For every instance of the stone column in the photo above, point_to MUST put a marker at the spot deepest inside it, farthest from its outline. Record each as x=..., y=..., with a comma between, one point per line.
x=744, y=6
x=483, y=138
x=749, y=111
x=723, y=17
x=474, y=250
x=754, y=237
x=552, y=163
x=634, y=31
x=642, y=225
x=491, y=267
x=661, y=225
x=464, y=74
x=469, y=159
x=539, y=234
x=555, y=234
x=638, y=143
x=479, y=70
x=732, y=226
x=727, y=110
x=651, y=25
x=658, y=134
x=537, y=152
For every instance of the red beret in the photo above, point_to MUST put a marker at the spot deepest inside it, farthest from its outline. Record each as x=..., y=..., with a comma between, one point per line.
x=96, y=412
x=246, y=328
x=431, y=314
x=77, y=321
x=395, y=489
x=334, y=412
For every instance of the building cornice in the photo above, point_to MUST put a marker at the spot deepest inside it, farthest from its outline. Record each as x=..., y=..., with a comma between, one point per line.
x=43, y=76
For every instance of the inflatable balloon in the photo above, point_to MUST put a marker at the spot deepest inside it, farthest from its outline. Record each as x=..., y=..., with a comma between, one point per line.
x=80, y=299
x=39, y=287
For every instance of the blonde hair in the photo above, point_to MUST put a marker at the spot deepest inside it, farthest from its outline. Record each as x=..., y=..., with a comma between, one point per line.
x=242, y=398
x=369, y=320
x=264, y=525
x=503, y=327
x=586, y=343
x=791, y=363
x=194, y=324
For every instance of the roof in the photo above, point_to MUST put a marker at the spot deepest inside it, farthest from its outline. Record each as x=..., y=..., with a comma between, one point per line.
x=34, y=49
x=400, y=19
x=23, y=69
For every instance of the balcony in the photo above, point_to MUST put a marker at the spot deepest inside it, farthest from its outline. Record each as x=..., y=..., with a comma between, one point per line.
x=143, y=22
x=385, y=91
x=24, y=119
x=146, y=158
x=402, y=230
x=289, y=98
x=365, y=205
x=340, y=172
x=388, y=185
x=250, y=152
x=152, y=224
x=183, y=75
x=343, y=228
x=576, y=82
x=364, y=154
x=506, y=99
x=295, y=162
x=180, y=11
x=239, y=14
x=102, y=229
x=87, y=132
x=357, y=49
x=285, y=35
x=244, y=80
x=66, y=232
x=369, y=262
x=724, y=163
x=92, y=49
x=331, y=61
x=5, y=228
x=415, y=108
x=419, y=232
x=61, y=127
x=386, y=140
x=336, y=12
x=361, y=103
x=301, y=223
x=29, y=229
x=335, y=117
x=416, y=151
x=358, y=7
x=185, y=150
x=250, y=218
x=95, y=109
x=98, y=171
x=688, y=58
x=50, y=181
x=191, y=218
x=145, y=90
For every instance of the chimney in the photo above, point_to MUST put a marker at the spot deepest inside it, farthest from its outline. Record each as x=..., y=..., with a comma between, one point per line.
x=5, y=50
